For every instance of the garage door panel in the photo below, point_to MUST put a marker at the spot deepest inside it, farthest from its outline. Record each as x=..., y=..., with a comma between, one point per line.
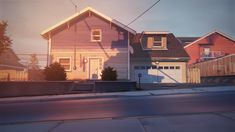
x=159, y=75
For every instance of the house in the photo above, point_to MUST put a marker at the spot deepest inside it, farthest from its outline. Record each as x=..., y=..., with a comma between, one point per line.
x=210, y=46
x=10, y=61
x=10, y=68
x=159, y=57
x=87, y=42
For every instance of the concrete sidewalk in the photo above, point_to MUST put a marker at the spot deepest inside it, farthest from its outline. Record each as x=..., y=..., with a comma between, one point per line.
x=118, y=94
x=207, y=122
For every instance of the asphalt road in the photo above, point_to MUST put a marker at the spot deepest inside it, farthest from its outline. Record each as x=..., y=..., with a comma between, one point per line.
x=117, y=107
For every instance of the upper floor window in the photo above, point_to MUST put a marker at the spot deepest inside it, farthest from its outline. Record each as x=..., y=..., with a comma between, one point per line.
x=65, y=62
x=157, y=41
x=96, y=35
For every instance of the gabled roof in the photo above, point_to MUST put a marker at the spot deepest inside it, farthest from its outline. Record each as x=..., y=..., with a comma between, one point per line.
x=211, y=33
x=187, y=40
x=44, y=33
x=175, y=50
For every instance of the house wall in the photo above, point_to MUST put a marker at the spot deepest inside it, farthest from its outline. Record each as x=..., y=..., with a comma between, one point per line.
x=219, y=43
x=76, y=37
x=181, y=64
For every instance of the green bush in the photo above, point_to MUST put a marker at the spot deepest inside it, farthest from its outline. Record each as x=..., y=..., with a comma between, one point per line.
x=55, y=72
x=109, y=74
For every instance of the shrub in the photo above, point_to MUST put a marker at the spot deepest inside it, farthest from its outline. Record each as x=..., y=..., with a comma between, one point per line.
x=109, y=74
x=55, y=72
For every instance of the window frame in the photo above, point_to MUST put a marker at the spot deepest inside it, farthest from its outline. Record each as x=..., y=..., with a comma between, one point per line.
x=157, y=41
x=92, y=35
x=70, y=63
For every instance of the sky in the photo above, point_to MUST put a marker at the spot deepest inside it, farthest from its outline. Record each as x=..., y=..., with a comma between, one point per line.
x=28, y=18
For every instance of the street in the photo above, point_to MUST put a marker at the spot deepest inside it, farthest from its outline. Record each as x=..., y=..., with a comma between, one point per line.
x=99, y=108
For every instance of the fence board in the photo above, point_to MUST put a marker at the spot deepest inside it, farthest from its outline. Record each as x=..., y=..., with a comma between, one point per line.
x=12, y=75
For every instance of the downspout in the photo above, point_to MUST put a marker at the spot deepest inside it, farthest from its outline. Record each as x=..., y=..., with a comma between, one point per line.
x=128, y=54
x=49, y=51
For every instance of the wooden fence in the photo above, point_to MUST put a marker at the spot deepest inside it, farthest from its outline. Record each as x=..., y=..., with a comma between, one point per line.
x=224, y=66
x=193, y=75
x=12, y=75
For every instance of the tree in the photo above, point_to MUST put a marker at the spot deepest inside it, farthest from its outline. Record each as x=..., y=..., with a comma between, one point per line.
x=109, y=74
x=55, y=72
x=5, y=41
x=33, y=64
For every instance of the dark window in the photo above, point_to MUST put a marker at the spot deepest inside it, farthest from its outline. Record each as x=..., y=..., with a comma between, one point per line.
x=172, y=67
x=160, y=67
x=142, y=67
x=154, y=67
x=136, y=67
x=177, y=67
x=148, y=67
x=166, y=67
x=157, y=41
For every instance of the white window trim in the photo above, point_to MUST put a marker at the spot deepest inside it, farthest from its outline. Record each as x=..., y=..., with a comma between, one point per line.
x=92, y=40
x=70, y=63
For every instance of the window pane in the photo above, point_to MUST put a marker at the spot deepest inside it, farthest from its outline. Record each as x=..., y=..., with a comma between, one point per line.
x=157, y=38
x=64, y=60
x=172, y=67
x=177, y=67
x=166, y=67
x=96, y=37
x=160, y=67
x=142, y=67
x=157, y=44
x=96, y=32
x=154, y=67
x=136, y=67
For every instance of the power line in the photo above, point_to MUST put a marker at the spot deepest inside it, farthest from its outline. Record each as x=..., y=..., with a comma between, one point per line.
x=143, y=13
x=75, y=5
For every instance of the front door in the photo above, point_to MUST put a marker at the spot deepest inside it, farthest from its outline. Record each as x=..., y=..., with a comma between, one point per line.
x=93, y=68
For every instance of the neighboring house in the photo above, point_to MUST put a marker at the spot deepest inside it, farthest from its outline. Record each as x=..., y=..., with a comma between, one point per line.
x=10, y=68
x=187, y=40
x=210, y=46
x=87, y=42
x=159, y=57
x=10, y=61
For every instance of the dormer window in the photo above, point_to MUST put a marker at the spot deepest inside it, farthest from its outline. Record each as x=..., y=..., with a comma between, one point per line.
x=157, y=41
x=96, y=35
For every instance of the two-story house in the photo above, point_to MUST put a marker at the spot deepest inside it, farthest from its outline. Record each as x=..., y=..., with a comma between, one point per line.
x=210, y=46
x=87, y=42
x=159, y=58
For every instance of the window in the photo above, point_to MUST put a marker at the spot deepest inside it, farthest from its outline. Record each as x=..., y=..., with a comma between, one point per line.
x=172, y=67
x=66, y=63
x=206, y=52
x=154, y=67
x=157, y=41
x=166, y=67
x=142, y=67
x=148, y=67
x=136, y=67
x=160, y=67
x=96, y=35
x=177, y=67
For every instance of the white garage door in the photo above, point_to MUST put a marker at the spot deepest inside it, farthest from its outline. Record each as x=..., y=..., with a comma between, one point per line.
x=160, y=74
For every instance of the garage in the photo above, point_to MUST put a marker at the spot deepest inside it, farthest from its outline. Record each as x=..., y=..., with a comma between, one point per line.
x=158, y=74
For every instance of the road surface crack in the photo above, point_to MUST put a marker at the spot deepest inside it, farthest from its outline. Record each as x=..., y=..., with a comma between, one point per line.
x=58, y=124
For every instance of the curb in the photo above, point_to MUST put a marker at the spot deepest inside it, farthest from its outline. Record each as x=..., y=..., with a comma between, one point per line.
x=116, y=94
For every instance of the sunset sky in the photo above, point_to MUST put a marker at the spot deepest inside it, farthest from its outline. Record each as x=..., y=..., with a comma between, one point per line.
x=28, y=18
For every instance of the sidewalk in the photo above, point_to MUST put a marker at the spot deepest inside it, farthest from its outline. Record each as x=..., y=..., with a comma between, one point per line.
x=118, y=94
x=207, y=122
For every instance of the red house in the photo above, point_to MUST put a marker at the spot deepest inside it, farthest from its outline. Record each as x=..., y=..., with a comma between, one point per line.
x=210, y=46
